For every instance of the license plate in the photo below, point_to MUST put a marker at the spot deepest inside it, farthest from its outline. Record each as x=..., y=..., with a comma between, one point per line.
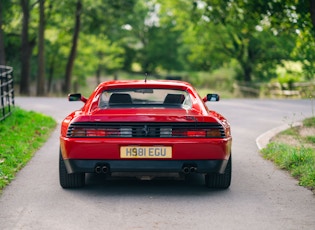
x=145, y=152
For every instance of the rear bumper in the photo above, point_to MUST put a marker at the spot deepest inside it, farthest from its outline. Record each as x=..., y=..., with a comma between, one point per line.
x=165, y=166
x=109, y=149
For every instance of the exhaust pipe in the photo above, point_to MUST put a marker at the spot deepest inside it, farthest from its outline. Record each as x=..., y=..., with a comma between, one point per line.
x=98, y=169
x=189, y=169
x=105, y=169
x=193, y=169
x=186, y=170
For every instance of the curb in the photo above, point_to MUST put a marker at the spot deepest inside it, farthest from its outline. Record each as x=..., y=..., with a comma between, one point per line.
x=263, y=140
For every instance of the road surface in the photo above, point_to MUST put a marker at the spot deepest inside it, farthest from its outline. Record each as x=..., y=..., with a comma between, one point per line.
x=260, y=197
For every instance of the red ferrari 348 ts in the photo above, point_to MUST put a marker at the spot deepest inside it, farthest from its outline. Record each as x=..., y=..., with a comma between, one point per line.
x=145, y=128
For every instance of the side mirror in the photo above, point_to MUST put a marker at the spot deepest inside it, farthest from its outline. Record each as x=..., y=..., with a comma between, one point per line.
x=76, y=97
x=211, y=97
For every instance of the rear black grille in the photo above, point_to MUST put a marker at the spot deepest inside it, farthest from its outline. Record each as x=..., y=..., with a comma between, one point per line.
x=137, y=130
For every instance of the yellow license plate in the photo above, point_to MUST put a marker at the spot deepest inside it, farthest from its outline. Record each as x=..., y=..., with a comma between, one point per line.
x=145, y=152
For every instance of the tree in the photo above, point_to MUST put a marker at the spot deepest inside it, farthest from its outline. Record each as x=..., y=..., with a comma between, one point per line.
x=58, y=40
x=113, y=19
x=41, y=50
x=11, y=29
x=250, y=33
x=75, y=38
x=294, y=19
x=26, y=49
x=312, y=12
x=253, y=37
x=96, y=55
x=153, y=39
x=2, y=51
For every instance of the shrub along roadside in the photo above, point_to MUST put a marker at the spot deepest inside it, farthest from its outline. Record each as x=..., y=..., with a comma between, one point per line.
x=299, y=158
x=21, y=134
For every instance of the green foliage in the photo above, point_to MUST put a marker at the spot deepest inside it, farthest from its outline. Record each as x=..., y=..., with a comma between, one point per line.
x=288, y=79
x=299, y=160
x=310, y=139
x=98, y=52
x=21, y=135
x=292, y=131
x=221, y=79
x=252, y=37
x=309, y=122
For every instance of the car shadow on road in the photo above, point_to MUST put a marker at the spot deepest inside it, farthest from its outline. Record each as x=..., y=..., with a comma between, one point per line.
x=190, y=185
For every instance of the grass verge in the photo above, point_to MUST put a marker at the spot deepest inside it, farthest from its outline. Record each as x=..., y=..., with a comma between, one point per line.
x=296, y=157
x=21, y=134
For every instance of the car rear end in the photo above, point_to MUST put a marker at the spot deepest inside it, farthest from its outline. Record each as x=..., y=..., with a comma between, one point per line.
x=134, y=137
x=141, y=146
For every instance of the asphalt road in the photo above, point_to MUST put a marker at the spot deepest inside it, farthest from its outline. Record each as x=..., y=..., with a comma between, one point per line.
x=260, y=197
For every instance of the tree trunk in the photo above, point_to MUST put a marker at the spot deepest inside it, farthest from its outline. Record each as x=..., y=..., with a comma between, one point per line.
x=247, y=72
x=2, y=51
x=50, y=74
x=72, y=54
x=246, y=66
x=312, y=11
x=98, y=74
x=41, y=50
x=25, y=50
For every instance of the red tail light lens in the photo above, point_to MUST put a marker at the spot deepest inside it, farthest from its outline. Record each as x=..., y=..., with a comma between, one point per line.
x=90, y=132
x=95, y=133
x=197, y=133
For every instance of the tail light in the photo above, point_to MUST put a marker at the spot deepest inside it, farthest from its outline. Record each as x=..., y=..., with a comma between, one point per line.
x=153, y=130
x=213, y=132
x=94, y=132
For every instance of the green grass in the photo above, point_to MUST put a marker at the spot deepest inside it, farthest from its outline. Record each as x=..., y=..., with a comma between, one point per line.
x=298, y=160
x=21, y=134
x=310, y=139
x=309, y=122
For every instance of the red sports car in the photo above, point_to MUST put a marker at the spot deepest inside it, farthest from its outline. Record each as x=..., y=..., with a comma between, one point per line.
x=145, y=128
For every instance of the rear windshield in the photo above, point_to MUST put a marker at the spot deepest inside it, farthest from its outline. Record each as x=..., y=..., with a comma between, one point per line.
x=145, y=98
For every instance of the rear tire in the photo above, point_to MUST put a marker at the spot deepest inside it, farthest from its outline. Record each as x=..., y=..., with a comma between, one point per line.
x=66, y=180
x=220, y=181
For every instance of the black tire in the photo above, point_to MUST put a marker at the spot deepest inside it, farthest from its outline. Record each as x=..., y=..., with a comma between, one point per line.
x=220, y=181
x=66, y=180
